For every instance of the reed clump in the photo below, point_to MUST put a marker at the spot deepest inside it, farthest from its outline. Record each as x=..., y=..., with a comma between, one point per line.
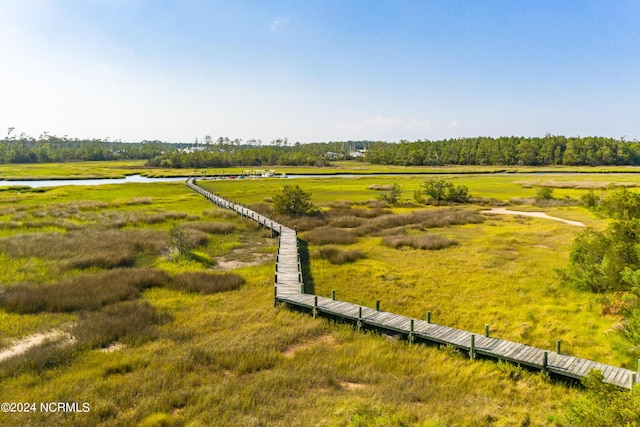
x=81, y=292
x=129, y=322
x=206, y=283
x=338, y=256
x=329, y=235
x=211, y=227
x=86, y=248
x=424, y=241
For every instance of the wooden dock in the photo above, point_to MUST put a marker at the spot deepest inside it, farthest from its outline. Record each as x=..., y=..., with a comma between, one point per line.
x=289, y=289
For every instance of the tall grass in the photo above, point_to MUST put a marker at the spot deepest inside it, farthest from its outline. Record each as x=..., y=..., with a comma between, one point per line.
x=330, y=235
x=81, y=292
x=129, y=322
x=338, y=256
x=206, y=283
x=424, y=241
x=86, y=248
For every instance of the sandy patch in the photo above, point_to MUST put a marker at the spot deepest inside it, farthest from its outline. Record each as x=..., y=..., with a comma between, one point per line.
x=34, y=340
x=504, y=211
x=291, y=350
x=350, y=386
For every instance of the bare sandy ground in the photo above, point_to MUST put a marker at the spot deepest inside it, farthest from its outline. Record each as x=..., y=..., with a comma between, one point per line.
x=504, y=211
x=32, y=341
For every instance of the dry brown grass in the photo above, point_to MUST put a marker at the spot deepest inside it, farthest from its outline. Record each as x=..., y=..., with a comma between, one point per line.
x=206, y=283
x=330, y=235
x=130, y=322
x=81, y=292
x=379, y=187
x=86, y=248
x=211, y=227
x=424, y=241
x=346, y=221
x=338, y=256
x=306, y=223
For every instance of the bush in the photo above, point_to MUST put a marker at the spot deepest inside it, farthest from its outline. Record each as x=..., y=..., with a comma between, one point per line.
x=425, y=241
x=441, y=190
x=205, y=283
x=544, y=193
x=392, y=196
x=293, y=201
x=338, y=256
x=598, y=259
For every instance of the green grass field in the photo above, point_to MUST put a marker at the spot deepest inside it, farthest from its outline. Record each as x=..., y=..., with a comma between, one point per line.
x=229, y=358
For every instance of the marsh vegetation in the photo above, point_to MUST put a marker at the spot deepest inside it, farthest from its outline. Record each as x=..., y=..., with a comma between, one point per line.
x=195, y=343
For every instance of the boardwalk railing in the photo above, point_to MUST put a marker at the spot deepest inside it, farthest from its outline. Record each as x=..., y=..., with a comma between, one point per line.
x=289, y=288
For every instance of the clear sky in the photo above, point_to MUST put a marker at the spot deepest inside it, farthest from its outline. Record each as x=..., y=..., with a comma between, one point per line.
x=319, y=70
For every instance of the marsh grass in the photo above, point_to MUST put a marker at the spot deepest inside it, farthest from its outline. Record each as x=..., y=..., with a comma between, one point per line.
x=339, y=256
x=211, y=227
x=424, y=241
x=225, y=358
x=330, y=235
x=81, y=292
x=207, y=283
x=86, y=248
x=128, y=322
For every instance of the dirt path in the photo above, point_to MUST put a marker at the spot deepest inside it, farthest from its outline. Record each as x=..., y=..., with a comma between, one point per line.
x=32, y=341
x=504, y=211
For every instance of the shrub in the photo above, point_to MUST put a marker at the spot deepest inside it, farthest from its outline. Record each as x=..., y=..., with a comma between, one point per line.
x=443, y=190
x=205, y=283
x=293, y=201
x=425, y=241
x=338, y=256
x=544, y=193
x=392, y=196
x=129, y=322
x=329, y=235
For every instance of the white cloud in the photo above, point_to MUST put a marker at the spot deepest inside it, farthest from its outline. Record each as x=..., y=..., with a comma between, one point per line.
x=277, y=22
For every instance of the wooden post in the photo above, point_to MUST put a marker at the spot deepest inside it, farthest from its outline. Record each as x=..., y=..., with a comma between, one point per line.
x=472, y=347
x=545, y=361
x=428, y=317
x=359, y=324
x=302, y=288
x=333, y=294
x=486, y=330
x=632, y=380
x=558, y=347
x=275, y=296
x=275, y=279
x=411, y=332
x=315, y=306
x=377, y=305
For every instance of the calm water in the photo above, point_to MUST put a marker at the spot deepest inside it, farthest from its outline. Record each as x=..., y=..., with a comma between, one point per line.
x=61, y=182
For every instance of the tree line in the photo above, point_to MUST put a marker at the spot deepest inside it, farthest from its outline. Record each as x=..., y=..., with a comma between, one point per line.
x=508, y=151
x=225, y=152
x=46, y=148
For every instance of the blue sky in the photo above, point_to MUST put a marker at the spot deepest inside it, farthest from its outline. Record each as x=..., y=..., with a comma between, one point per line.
x=319, y=70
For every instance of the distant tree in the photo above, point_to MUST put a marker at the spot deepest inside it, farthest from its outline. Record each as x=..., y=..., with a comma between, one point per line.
x=293, y=201
x=544, y=193
x=442, y=190
x=181, y=241
x=392, y=196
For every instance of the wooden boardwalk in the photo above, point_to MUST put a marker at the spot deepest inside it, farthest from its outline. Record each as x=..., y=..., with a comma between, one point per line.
x=289, y=288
